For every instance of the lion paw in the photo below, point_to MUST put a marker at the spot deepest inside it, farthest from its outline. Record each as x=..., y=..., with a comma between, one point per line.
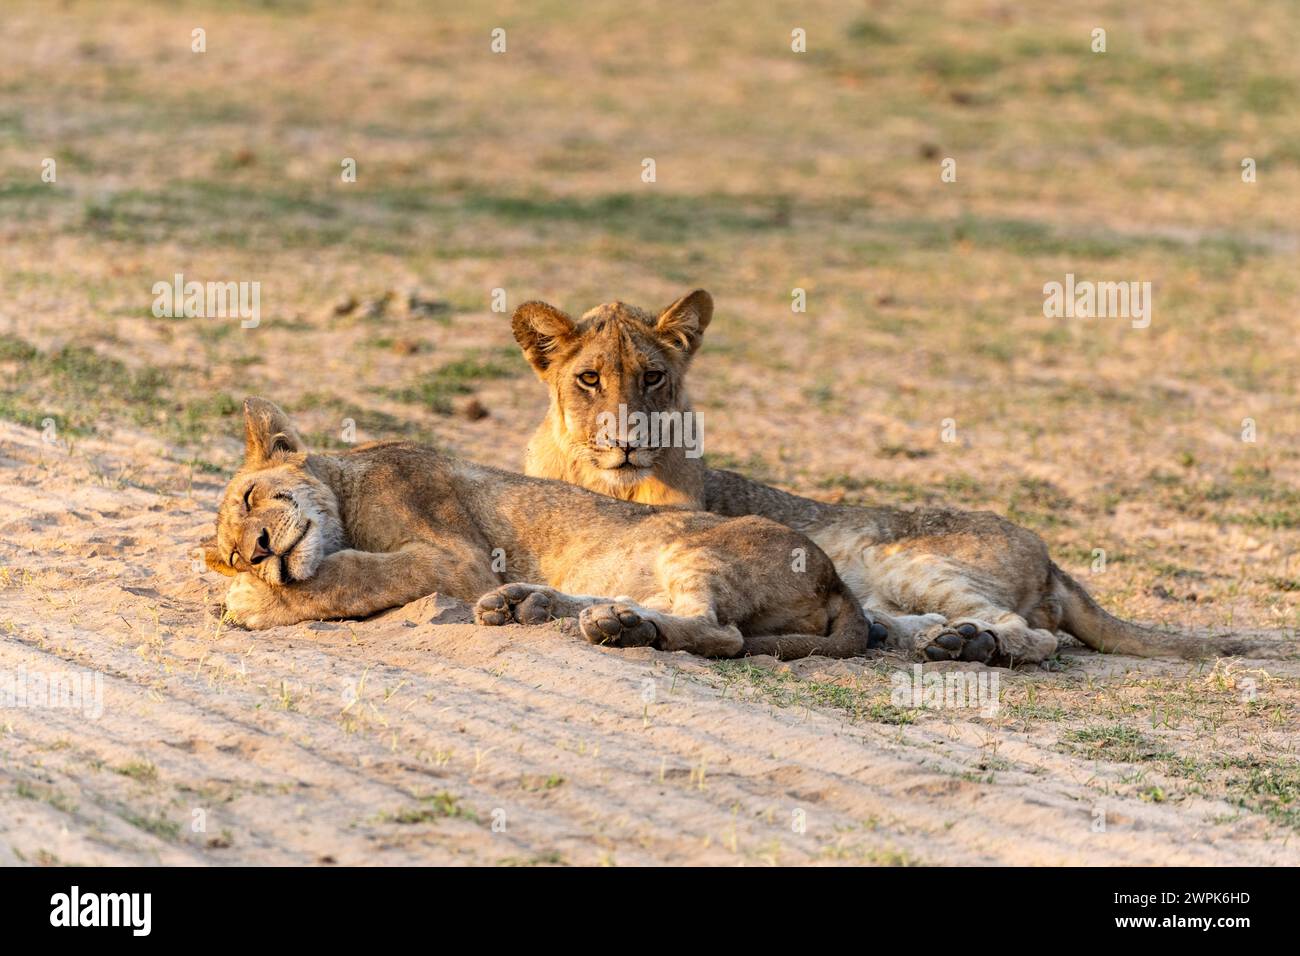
x=616, y=625
x=960, y=641
x=253, y=604
x=516, y=604
x=898, y=631
x=877, y=633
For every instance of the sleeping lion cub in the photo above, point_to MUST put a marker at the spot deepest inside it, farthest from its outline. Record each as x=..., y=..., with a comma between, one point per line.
x=944, y=584
x=310, y=536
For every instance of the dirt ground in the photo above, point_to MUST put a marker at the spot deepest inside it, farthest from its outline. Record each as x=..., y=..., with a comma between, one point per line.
x=417, y=737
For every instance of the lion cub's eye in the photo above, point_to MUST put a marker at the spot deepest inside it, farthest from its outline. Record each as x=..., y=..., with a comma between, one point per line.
x=234, y=556
x=248, y=504
x=653, y=378
x=590, y=379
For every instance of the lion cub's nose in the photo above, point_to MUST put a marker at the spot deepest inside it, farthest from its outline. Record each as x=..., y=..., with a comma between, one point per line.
x=263, y=549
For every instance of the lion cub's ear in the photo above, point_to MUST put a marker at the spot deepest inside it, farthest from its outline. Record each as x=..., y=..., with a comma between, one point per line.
x=268, y=434
x=683, y=323
x=541, y=329
x=214, y=560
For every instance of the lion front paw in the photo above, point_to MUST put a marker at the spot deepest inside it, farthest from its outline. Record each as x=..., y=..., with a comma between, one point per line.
x=253, y=604
x=517, y=604
x=616, y=625
x=960, y=641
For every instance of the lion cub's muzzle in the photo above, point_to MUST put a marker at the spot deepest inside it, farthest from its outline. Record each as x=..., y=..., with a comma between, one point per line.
x=616, y=457
x=277, y=546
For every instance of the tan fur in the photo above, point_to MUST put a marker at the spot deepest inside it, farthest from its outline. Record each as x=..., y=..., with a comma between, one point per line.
x=326, y=536
x=618, y=344
x=946, y=584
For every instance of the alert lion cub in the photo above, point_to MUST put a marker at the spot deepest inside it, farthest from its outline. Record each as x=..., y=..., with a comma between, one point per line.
x=945, y=584
x=309, y=536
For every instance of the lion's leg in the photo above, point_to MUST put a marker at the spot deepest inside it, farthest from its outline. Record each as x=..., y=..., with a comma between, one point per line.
x=615, y=623
x=961, y=621
x=356, y=584
x=529, y=604
x=691, y=625
x=903, y=591
x=989, y=636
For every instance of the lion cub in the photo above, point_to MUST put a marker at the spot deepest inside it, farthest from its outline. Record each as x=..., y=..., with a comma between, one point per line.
x=942, y=584
x=311, y=536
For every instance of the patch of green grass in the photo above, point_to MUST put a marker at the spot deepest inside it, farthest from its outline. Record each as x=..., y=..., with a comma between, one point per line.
x=205, y=467
x=887, y=450
x=1268, y=787
x=1002, y=350
x=1271, y=789
x=56, y=799
x=379, y=219
x=11, y=122
x=437, y=388
x=32, y=416
x=963, y=489
x=1038, y=503
x=650, y=216
x=1113, y=742
x=141, y=770
x=1267, y=94
x=1274, y=520
x=1250, y=496
x=243, y=214
x=1022, y=237
x=14, y=349
x=437, y=806
x=21, y=194
x=751, y=466
x=891, y=492
x=821, y=394
x=386, y=342
x=1190, y=80
x=376, y=424
x=949, y=63
x=783, y=689
x=75, y=385
x=551, y=858
x=200, y=417
x=158, y=825
x=1031, y=710
x=1170, y=570
x=866, y=30
x=889, y=856
x=70, y=383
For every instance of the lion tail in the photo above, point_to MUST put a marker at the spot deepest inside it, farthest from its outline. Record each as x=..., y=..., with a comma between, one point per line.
x=1091, y=623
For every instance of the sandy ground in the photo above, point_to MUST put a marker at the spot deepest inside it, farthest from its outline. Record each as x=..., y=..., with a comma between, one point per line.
x=417, y=737
x=399, y=739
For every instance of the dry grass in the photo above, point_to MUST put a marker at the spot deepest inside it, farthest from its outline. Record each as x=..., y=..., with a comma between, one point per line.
x=774, y=171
